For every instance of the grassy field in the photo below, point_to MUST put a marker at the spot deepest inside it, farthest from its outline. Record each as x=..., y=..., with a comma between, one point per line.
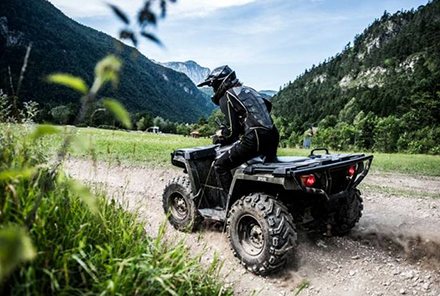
x=150, y=149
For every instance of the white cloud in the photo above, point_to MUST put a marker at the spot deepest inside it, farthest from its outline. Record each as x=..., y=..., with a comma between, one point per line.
x=200, y=8
x=93, y=8
x=183, y=8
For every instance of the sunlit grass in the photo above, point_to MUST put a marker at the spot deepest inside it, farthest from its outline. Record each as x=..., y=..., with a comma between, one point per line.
x=134, y=147
x=154, y=149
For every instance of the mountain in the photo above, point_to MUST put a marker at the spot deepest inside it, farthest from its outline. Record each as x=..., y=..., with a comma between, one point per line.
x=60, y=44
x=198, y=74
x=269, y=93
x=388, y=79
x=193, y=70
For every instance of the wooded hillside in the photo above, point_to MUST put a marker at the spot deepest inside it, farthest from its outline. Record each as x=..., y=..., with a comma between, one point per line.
x=382, y=92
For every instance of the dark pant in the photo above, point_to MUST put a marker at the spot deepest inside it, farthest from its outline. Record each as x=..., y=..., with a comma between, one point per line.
x=257, y=142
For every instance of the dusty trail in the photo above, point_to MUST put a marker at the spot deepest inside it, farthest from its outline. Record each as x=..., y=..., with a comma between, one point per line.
x=395, y=249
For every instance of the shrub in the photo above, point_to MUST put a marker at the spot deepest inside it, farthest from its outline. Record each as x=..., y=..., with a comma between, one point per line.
x=109, y=127
x=386, y=134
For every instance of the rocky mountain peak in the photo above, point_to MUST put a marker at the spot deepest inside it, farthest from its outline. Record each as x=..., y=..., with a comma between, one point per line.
x=191, y=69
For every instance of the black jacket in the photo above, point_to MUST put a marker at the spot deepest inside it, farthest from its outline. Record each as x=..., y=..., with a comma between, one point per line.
x=244, y=110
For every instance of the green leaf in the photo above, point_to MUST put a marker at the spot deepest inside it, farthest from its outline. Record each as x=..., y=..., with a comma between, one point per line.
x=14, y=174
x=44, y=130
x=82, y=143
x=15, y=248
x=73, y=82
x=108, y=69
x=84, y=193
x=118, y=111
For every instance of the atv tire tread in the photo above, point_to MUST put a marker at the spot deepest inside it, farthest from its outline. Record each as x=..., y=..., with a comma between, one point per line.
x=282, y=236
x=183, y=186
x=349, y=214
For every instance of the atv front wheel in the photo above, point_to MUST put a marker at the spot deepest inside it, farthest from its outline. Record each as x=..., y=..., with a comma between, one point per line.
x=178, y=202
x=261, y=232
x=349, y=214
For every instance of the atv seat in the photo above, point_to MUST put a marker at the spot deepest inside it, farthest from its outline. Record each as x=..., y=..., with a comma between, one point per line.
x=287, y=159
x=282, y=159
x=255, y=160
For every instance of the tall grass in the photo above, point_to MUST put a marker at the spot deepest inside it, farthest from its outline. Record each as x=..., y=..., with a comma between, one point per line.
x=85, y=245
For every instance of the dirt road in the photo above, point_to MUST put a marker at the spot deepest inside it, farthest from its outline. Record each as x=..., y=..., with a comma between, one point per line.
x=395, y=249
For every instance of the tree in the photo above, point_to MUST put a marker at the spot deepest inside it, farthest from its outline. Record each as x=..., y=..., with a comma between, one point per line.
x=351, y=109
x=141, y=126
x=386, y=134
x=62, y=114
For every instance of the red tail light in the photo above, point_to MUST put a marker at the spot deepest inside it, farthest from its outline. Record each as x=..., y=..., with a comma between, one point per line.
x=351, y=170
x=308, y=180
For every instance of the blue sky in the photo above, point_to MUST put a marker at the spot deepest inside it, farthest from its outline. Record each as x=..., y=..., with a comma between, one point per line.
x=267, y=42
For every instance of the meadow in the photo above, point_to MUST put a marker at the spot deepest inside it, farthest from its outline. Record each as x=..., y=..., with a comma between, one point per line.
x=139, y=148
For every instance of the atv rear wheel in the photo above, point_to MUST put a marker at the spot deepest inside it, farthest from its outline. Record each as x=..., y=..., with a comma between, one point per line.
x=178, y=202
x=348, y=215
x=261, y=232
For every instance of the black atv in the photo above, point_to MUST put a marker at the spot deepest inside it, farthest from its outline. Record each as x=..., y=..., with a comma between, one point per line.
x=267, y=201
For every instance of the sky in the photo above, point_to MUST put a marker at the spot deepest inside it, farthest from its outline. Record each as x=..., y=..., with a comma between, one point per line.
x=267, y=42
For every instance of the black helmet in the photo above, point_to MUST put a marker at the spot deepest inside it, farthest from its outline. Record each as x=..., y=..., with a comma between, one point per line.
x=218, y=76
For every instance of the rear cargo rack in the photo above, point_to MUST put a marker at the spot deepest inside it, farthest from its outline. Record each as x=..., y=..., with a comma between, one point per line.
x=318, y=163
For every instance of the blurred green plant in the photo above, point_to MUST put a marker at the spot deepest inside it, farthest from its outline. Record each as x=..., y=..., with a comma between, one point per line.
x=106, y=71
x=83, y=243
x=15, y=248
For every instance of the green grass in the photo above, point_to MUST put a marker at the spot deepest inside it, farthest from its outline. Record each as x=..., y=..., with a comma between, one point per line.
x=56, y=238
x=133, y=147
x=149, y=149
x=397, y=191
x=302, y=286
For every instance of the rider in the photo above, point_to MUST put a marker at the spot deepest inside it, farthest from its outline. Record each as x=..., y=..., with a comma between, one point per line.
x=247, y=119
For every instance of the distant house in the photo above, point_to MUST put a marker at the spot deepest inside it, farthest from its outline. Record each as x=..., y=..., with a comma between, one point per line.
x=153, y=129
x=195, y=134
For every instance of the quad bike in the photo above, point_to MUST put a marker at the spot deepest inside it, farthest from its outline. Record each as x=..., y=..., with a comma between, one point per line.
x=268, y=201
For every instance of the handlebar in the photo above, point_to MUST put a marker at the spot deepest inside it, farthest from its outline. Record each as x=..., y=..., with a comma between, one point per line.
x=319, y=149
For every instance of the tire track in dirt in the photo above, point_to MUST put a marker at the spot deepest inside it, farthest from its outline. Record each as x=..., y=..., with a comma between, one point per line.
x=393, y=251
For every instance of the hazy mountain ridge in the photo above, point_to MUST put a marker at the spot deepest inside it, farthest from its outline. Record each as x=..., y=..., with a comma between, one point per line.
x=270, y=93
x=62, y=45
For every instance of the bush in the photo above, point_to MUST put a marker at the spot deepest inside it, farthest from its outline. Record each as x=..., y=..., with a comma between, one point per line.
x=109, y=127
x=386, y=134
x=426, y=140
x=62, y=114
